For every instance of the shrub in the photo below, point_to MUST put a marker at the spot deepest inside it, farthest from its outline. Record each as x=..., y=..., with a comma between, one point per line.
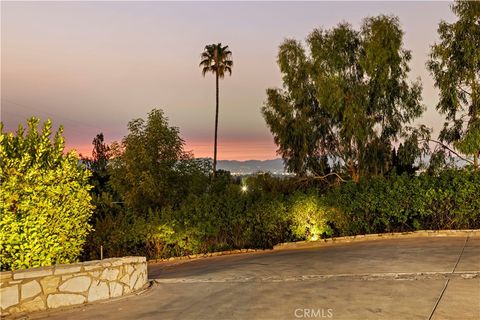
x=448, y=200
x=120, y=232
x=45, y=203
x=308, y=217
x=451, y=200
x=267, y=222
x=117, y=230
x=218, y=215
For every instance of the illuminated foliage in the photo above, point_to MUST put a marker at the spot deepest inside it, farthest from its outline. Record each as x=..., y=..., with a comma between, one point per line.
x=308, y=217
x=45, y=203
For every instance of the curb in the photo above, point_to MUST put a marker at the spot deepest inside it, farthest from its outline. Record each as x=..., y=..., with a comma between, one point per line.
x=207, y=255
x=377, y=236
x=330, y=241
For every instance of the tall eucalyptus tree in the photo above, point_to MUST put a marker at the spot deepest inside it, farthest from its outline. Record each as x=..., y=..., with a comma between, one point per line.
x=347, y=98
x=455, y=65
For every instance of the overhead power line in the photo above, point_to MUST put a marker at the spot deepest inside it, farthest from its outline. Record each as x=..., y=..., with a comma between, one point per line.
x=62, y=118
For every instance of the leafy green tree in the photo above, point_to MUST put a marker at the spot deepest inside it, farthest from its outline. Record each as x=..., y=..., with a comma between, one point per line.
x=100, y=156
x=216, y=59
x=348, y=100
x=150, y=169
x=98, y=163
x=108, y=206
x=455, y=65
x=45, y=203
x=403, y=160
x=290, y=113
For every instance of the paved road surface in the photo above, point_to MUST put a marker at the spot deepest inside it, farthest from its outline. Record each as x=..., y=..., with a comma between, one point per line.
x=419, y=278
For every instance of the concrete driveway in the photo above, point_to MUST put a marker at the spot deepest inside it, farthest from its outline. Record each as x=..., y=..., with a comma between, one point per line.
x=414, y=278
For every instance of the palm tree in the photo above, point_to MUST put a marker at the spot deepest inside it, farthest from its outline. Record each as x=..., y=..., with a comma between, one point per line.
x=218, y=60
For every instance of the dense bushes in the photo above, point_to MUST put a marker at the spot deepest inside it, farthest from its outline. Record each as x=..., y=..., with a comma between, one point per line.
x=159, y=201
x=216, y=220
x=155, y=199
x=226, y=218
x=449, y=200
x=44, y=199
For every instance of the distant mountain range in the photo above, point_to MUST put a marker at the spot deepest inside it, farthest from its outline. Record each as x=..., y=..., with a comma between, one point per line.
x=236, y=167
x=276, y=167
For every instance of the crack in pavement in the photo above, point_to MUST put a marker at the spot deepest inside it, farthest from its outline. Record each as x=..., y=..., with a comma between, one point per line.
x=448, y=280
x=405, y=276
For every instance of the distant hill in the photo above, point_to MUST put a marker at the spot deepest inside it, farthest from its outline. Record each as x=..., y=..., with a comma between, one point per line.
x=274, y=166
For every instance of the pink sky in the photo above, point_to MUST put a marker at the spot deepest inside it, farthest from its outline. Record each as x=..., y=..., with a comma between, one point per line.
x=94, y=66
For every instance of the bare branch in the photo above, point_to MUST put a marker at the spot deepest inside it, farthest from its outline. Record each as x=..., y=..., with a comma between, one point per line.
x=464, y=91
x=323, y=177
x=448, y=148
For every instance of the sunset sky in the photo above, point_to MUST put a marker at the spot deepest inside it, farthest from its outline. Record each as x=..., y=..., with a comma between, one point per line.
x=94, y=66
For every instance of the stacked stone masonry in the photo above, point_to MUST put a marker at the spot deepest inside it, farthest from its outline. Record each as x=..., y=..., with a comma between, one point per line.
x=36, y=289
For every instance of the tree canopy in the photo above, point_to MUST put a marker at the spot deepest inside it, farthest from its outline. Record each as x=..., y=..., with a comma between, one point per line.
x=150, y=169
x=455, y=65
x=346, y=98
x=216, y=59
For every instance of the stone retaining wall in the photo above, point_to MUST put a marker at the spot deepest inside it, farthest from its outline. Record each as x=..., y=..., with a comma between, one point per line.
x=70, y=284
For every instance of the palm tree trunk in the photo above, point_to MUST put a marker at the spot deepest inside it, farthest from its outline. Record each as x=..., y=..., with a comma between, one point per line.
x=216, y=129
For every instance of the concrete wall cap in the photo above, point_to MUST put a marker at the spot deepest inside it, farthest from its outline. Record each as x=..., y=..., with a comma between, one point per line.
x=380, y=236
x=134, y=259
x=6, y=275
x=67, y=269
x=32, y=273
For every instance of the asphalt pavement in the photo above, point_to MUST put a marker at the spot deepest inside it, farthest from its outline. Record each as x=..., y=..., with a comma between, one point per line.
x=415, y=278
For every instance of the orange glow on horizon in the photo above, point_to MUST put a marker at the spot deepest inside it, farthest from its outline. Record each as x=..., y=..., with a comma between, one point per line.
x=234, y=150
x=227, y=150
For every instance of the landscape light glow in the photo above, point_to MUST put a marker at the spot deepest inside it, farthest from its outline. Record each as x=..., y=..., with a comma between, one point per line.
x=244, y=188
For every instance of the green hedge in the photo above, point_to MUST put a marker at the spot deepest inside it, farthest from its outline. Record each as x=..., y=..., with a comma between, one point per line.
x=227, y=218
x=214, y=221
x=449, y=200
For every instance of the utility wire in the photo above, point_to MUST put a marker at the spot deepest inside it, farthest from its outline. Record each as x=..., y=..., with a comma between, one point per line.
x=63, y=119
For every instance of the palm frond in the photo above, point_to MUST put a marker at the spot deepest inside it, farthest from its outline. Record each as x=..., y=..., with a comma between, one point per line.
x=205, y=62
x=206, y=70
x=216, y=59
